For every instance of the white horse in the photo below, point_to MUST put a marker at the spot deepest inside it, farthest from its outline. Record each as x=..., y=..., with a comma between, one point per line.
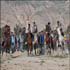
x=60, y=41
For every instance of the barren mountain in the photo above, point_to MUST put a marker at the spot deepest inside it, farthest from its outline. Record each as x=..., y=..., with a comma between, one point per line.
x=42, y=12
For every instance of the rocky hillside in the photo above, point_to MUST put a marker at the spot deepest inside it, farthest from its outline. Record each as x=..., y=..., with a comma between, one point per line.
x=18, y=12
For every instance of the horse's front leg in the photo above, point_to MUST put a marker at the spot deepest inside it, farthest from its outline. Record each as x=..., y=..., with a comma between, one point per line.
x=28, y=52
x=63, y=48
x=30, y=49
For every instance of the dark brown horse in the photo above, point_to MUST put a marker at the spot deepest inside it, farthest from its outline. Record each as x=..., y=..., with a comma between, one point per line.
x=48, y=43
x=7, y=38
x=29, y=43
x=51, y=40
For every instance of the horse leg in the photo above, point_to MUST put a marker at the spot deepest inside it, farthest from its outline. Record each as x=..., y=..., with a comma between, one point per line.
x=28, y=53
x=28, y=50
x=63, y=47
x=3, y=50
x=35, y=49
x=6, y=51
x=50, y=49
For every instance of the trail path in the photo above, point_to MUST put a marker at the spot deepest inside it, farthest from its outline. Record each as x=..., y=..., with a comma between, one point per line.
x=23, y=62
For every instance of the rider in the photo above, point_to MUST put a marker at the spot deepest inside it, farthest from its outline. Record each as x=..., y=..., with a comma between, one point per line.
x=48, y=27
x=35, y=42
x=48, y=35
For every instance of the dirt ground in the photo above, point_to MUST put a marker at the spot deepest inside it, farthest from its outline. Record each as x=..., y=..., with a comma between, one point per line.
x=20, y=61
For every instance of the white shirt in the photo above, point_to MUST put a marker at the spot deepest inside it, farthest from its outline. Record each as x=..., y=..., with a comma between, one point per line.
x=58, y=30
x=27, y=27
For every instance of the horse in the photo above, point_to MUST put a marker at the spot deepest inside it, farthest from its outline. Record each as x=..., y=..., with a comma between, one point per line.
x=55, y=39
x=51, y=42
x=7, y=42
x=29, y=43
x=60, y=40
x=48, y=47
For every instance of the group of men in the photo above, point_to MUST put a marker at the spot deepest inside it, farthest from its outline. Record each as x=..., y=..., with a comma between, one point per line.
x=33, y=40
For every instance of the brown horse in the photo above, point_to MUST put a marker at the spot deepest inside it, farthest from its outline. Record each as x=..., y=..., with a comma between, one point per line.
x=7, y=38
x=51, y=40
x=48, y=43
x=29, y=43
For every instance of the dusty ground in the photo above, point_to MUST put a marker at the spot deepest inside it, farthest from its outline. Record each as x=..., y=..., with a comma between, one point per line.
x=23, y=62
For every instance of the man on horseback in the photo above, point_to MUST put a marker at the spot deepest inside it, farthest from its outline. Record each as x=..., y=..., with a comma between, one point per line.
x=60, y=38
x=29, y=37
x=35, y=41
x=48, y=36
x=60, y=33
x=48, y=27
x=29, y=43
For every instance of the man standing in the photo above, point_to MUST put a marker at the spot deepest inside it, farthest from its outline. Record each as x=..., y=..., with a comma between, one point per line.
x=13, y=42
x=20, y=41
x=60, y=38
x=42, y=42
x=24, y=37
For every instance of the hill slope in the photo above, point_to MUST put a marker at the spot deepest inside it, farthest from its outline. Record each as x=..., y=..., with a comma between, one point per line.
x=17, y=12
